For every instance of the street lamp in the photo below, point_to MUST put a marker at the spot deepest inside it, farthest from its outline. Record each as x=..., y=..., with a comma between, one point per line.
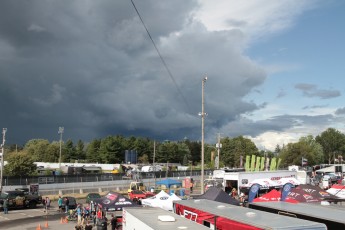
x=202, y=114
x=61, y=129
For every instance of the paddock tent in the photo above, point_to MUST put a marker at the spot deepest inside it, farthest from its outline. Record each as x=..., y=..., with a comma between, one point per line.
x=222, y=216
x=161, y=200
x=217, y=194
x=309, y=193
x=273, y=195
x=337, y=190
x=114, y=201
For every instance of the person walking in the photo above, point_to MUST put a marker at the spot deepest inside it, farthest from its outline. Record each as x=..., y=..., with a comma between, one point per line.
x=60, y=202
x=5, y=206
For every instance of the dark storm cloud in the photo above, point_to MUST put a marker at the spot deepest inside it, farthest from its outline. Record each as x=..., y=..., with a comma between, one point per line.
x=310, y=90
x=89, y=66
x=314, y=107
x=340, y=111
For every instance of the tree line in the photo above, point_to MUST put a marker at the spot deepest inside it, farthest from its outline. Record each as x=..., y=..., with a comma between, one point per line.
x=328, y=147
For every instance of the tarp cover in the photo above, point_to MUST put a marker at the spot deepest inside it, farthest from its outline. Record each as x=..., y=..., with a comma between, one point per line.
x=114, y=201
x=217, y=194
x=169, y=182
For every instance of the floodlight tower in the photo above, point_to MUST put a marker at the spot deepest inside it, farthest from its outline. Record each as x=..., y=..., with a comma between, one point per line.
x=202, y=114
x=4, y=130
x=61, y=129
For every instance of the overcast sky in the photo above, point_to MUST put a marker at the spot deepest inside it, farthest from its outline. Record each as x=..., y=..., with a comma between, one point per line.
x=275, y=69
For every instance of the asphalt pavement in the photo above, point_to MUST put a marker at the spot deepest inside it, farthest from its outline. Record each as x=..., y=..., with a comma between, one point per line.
x=35, y=219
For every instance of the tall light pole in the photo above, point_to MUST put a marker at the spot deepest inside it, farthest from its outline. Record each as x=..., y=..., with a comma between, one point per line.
x=4, y=130
x=218, y=146
x=61, y=129
x=202, y=114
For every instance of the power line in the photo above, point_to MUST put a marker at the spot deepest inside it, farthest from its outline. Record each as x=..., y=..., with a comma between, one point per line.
x=160, y=56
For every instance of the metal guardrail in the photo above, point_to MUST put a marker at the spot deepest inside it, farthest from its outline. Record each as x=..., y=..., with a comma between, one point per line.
x=81, y=178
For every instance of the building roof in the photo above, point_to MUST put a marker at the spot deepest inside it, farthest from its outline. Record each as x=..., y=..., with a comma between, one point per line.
x=149, y=216
x=249, y=216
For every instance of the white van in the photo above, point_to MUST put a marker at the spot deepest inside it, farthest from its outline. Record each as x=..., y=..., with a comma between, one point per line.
x=150, y=168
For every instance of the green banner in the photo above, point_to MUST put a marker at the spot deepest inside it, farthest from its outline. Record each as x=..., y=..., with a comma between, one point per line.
x=247, y=165
x=252, y=165
x=257, y=165
x=279, y=160
x=262, y=165
x=273, y=164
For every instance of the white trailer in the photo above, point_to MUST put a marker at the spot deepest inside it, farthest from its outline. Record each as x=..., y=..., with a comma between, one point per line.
x=239, y=180
x=147, y=218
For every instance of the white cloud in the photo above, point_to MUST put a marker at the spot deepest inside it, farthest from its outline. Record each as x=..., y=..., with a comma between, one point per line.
x=255, y=18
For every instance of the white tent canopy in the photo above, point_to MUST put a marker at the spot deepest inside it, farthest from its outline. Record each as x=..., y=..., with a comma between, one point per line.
x=161, y=200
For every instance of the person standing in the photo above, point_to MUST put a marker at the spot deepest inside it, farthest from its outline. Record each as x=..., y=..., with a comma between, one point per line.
x=113, y=222
x=66, y=204
x=79, y=213
x=5, y=206
x=60, y=202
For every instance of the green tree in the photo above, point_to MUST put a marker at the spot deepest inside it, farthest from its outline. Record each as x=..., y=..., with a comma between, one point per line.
x=332, y=142
x=235, y=148
x=92, y=151
x=20, y=164
x=80, y=152
x=37, y=149
x=306, y=147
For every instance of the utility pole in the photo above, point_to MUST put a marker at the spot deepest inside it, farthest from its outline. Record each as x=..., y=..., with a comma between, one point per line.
x=4, y=130
x=61, y=129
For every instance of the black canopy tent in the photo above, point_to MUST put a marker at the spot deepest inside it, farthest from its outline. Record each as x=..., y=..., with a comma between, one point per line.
x=217, y=194
x=114, y=201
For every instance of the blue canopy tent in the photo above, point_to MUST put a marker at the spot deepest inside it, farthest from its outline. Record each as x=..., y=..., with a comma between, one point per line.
x=168, y=183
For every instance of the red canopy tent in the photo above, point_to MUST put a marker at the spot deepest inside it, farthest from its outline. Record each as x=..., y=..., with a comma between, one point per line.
x=273, y=195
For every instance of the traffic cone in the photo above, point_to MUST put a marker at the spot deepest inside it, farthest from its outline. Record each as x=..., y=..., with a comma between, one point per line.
x=66, y=220
x=46, y=224
x=39, y=227
x=62, y=221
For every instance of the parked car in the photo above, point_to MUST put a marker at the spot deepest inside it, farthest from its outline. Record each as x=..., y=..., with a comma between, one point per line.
x=72, y=202
x=92, y=196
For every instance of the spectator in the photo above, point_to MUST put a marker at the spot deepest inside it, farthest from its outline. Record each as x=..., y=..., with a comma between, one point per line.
x=5, y=206
x=99, y=215
x=113, y=222
x=88, y=226
x=66, y=204
x=79, y=214
x=60, y=202
x=191, y=185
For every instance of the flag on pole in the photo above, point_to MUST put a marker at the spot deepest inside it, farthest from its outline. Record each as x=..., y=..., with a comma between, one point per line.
x=304, y=161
